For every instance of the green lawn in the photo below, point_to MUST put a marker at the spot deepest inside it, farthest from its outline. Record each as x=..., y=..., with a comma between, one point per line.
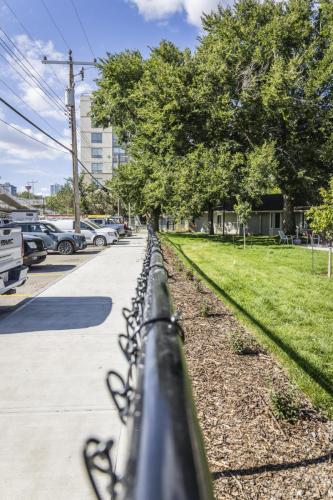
x=273, y=290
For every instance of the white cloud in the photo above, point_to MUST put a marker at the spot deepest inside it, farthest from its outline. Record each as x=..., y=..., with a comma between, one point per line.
x=26, y=87
x=16, y=148
x=160, y=9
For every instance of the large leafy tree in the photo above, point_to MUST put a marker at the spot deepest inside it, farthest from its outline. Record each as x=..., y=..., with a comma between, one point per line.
x=147, y=102
x=94, y=199
x=267, y=67
x=251, y=109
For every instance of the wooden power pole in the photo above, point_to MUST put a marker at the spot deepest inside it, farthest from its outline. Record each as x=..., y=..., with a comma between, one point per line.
x=70, y=104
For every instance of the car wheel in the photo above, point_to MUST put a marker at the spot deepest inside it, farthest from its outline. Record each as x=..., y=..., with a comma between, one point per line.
x=100, y=241
x=65, y=247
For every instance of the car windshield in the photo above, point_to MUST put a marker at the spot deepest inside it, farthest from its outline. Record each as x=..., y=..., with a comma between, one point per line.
x=113, y=221
x=92, y=224
x=52, y=228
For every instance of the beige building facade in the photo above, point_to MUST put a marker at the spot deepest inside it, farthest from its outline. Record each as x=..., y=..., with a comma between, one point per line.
x=100, y=153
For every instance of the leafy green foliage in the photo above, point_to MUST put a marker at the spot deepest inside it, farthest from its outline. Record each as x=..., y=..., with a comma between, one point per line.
x=250, y=110
x=204, y=310
x=321, y=217
x=238, y=344
x=284, y=405
x=62, y=202
x=93, y=199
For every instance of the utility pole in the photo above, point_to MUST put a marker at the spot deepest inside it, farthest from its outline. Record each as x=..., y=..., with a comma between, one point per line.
x=70, y=104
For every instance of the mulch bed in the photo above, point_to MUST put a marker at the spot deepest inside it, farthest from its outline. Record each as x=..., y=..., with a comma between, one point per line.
x=251, y=453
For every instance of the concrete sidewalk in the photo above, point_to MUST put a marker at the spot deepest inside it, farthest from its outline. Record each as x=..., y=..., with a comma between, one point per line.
x=54, y=353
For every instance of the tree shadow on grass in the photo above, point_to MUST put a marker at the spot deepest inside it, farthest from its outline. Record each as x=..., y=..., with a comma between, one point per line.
x=231, y=239
x=322, y=380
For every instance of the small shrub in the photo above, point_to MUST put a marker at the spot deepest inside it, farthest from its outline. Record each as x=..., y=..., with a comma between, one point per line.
x=284, y=405
x=204, y=310
x=189, y=274
x=198, y=286
x=179, y=265
x=238, y=344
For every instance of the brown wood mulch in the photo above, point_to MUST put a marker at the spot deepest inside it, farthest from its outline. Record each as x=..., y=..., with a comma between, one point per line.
x=251, y=453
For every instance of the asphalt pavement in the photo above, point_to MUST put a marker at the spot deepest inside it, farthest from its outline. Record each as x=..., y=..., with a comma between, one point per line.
x=55, y=349
x=41, y=276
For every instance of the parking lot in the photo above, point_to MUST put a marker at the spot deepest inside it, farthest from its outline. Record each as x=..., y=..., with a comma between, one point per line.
x=43, y=275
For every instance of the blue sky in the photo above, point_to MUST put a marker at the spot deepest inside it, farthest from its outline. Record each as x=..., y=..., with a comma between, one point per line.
x=112, y=26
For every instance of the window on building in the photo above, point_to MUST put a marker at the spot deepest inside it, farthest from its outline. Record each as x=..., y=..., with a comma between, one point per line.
x=96, y=168
x=275, y=220
x=117, y=150
x=96, y=152
x=97, y=137
x=119, y=160
x=114, y=140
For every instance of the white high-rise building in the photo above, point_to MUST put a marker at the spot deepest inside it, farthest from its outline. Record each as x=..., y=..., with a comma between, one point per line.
x=55, y=188
x=100, y=152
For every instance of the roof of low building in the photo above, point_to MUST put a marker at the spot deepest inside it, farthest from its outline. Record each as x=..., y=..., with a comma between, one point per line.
x=269, y=203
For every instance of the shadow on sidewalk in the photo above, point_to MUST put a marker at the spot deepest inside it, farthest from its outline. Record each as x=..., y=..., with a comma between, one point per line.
x=51, y=268
x=58, y=313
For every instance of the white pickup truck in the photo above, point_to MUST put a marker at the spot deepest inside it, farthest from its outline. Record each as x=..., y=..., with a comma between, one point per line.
x=12, y=271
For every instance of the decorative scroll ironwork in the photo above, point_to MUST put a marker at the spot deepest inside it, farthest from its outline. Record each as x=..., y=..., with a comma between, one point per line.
x=127, y=393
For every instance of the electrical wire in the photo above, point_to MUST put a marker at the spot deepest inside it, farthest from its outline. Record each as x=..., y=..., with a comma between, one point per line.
x=31, y=137
x=43, y=85
x=83, y=29
x=21, y=115
x=34, y=124
x=55, y=24
x=31, y=38
x=34, y=81
x=28, y=105
x=29, y=83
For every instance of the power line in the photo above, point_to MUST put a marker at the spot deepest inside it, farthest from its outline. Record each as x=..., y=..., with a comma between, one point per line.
x=83, y=29
x=31, y=137
x=34, y=124
x=28, y=105
x=55, y=24
x=43, y=84
x=30, y=36
x=52, y=138
x=26, y=81
x=28, y=73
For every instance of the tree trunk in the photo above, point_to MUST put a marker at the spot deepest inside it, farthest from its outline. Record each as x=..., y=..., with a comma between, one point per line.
x=288, y=214
x=210, y=220
x=155, y=219
x=329, y=267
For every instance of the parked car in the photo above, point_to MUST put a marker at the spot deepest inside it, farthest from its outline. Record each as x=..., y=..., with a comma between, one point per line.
x=95, y=235
x=34, y=250
x=54, y=238
x=12, y=271
x=109, y=222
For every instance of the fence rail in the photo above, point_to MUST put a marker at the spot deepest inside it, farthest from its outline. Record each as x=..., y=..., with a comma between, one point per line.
x=165, y=453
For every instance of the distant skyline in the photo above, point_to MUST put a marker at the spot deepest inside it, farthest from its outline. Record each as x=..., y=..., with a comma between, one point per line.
x=111, y=26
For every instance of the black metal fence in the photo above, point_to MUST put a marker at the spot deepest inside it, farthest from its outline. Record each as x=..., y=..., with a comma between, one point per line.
x=165, y=454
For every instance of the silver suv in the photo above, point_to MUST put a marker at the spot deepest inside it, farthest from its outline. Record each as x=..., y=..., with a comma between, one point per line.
x=54, y=239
